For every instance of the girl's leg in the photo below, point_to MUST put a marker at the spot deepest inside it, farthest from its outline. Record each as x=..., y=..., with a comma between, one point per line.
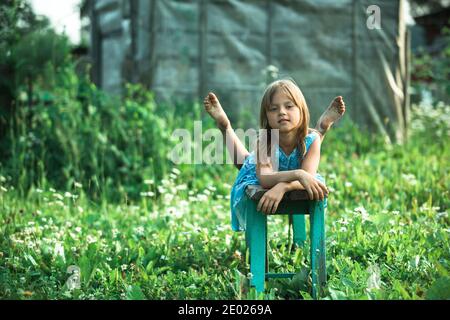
x=236, y=149
x=334, y=112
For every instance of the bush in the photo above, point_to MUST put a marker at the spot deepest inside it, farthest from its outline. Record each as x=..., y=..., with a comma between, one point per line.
x=98, y=141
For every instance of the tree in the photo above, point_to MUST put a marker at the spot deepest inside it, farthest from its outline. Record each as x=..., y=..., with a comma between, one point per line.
x=421, y=7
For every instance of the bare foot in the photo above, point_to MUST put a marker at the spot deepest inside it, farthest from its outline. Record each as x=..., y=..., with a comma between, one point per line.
x=213, y=107
x=334, y=112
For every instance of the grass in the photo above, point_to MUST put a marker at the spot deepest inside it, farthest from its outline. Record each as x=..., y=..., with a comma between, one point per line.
x=387, y=231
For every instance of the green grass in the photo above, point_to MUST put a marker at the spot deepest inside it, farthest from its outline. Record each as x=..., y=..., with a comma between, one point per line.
x=387, y=231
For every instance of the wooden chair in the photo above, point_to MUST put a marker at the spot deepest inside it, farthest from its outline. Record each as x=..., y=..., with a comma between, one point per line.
x=297, y=204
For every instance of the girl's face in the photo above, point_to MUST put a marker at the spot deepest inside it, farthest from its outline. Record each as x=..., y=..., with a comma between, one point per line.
x=282, y=113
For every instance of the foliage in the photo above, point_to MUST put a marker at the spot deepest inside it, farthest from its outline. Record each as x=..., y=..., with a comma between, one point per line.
x=387, y=231
x=430, y=72
x=96, y=141
x=85, y=181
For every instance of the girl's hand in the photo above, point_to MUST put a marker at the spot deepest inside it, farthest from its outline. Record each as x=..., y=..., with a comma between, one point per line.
x=272, y=198
x=316, y=189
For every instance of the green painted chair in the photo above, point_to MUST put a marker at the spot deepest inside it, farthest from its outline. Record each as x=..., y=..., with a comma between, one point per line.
x=297, y=204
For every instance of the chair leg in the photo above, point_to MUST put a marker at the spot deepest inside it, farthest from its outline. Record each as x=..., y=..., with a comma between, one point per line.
x=298, y=225
x=317, y=230
x=257, y=235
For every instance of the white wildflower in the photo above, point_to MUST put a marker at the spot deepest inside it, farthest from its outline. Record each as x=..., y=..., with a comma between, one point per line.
x=363, y=212
x=374, y=279
x=59, y=250
x=443, y=214
x=149, y=181
x=115, y=232
x=181, y=187
x=67, y=194
x=168, y=197
x=183, y=204
x=78, y=185
x=123, y=267
x=139, y=231
x=58, y=196
x=176, y=171
x=227, y=240
x=409, y=179
x=60, y=203
x=348, y=184
x=91, y=239
x=332, y=176
x=171, y=211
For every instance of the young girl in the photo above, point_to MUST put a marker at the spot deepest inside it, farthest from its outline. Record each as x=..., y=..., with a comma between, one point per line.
x=283, y=107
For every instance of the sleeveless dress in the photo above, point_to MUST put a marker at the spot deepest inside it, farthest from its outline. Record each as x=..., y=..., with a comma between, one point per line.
x=247, y=176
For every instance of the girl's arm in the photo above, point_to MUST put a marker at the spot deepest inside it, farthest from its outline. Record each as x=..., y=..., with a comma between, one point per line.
x=312, y=159
x=316, y=189
x=236, y=149
x=302, y=179
x=269, y=178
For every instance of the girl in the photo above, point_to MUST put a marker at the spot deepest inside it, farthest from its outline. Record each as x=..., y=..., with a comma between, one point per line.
x=283, y=107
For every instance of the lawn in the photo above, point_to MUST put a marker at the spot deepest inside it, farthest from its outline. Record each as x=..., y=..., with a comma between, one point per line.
x=387, y=229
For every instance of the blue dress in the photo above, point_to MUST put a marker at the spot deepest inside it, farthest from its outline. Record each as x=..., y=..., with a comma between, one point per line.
x=247, y=176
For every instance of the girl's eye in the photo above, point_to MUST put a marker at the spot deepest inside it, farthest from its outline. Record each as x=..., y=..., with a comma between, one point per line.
x=289, y=106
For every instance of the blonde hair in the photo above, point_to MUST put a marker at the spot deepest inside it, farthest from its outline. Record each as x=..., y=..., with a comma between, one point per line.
x=294, y=93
